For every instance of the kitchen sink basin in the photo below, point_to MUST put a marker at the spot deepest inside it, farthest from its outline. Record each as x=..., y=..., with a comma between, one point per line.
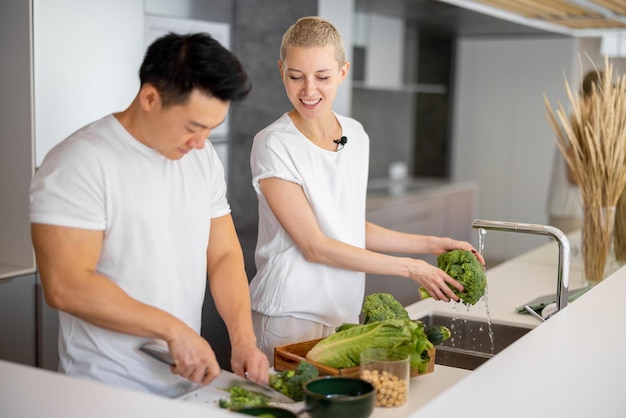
x=472, y=341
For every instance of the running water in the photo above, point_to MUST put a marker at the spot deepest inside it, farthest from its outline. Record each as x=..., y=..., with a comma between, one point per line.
x=482, y=232
x=481, y=240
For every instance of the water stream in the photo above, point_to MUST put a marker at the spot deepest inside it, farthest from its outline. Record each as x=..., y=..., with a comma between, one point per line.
x=457, y=336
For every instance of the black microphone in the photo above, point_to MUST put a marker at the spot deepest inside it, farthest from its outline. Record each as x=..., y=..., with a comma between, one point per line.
x=341, y=141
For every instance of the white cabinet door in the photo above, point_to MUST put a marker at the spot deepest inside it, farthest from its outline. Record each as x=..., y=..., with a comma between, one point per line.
x=86, y=63
x=16, y=153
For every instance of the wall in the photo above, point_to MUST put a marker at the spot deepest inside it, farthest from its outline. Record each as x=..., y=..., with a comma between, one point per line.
x=388, y=117
x=501, y=138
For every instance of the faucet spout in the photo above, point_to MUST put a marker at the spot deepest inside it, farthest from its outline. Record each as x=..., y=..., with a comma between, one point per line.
x=556, y=234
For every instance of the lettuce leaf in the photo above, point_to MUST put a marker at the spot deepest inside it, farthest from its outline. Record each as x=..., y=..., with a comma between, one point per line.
x=343, y=349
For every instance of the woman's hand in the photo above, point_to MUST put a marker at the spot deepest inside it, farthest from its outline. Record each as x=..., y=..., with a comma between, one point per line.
x=434, y=280
x=441, y=245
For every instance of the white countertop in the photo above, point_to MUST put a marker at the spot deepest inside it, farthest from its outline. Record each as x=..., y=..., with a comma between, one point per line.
x=571, y=365
x=28, y=392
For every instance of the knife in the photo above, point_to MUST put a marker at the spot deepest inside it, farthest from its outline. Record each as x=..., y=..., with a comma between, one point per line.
x=224, y=381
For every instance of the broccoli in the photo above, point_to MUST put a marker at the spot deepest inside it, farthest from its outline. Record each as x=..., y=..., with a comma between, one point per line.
x=382, y=306
x=240, y=398
x=463, y=266
x=290, y=382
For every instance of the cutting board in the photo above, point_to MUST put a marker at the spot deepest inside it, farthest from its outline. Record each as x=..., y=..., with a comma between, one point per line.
x=210, y=396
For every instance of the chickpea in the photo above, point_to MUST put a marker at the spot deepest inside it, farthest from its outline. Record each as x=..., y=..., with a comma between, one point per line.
x=390, y=389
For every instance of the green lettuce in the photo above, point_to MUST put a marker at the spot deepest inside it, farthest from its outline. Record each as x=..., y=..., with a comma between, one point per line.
x=343, y=349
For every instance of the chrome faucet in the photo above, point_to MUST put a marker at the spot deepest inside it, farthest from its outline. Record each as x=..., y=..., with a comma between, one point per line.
x=564, y=253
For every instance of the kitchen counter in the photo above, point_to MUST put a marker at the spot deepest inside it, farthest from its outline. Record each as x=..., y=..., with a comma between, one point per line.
x=379, y=191
x=571, y=365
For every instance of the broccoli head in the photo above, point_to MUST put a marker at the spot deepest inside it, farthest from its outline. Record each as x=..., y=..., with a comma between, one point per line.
x=463, y=266
x=290, y=382
x=381, y=307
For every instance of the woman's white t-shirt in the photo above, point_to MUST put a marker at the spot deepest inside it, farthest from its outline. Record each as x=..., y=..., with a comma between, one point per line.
x=335, y=183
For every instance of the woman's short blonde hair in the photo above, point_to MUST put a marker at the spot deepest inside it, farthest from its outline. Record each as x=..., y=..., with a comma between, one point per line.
x=312, y=32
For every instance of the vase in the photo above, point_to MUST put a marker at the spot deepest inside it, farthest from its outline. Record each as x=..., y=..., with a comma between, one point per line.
x=597, y=243
x=619, y=231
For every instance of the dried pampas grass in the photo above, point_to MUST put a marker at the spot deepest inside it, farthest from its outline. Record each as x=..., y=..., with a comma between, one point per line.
x=592, y=140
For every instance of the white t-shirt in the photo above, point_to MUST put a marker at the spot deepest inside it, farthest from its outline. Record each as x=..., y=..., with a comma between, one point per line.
x=335, y=184
x=156, y=217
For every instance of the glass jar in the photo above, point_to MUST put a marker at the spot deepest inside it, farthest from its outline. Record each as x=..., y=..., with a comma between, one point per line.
x=389, y=372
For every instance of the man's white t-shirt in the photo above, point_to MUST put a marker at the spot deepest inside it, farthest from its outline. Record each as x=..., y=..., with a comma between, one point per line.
x=156, y=217
x=335, y=183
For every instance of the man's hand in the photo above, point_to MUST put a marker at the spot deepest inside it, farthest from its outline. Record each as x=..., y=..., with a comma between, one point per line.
x=250, y=362
x=194, y=358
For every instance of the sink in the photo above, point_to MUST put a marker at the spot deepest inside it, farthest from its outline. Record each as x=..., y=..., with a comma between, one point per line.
x=470, y=344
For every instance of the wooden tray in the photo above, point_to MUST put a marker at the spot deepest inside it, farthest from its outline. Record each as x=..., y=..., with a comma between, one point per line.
x=287, y=357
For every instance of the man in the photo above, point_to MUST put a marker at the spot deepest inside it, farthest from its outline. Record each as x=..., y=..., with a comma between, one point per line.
x=129, y=215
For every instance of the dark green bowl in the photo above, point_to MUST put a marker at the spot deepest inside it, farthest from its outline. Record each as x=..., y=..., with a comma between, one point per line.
x=339, y=397
x=273, y=411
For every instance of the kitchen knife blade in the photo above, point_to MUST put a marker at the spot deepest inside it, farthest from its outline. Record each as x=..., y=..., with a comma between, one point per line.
x=224, y=381
x=158, y=352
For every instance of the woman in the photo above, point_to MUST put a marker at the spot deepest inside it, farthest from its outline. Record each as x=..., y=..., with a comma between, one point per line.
x=310, y=172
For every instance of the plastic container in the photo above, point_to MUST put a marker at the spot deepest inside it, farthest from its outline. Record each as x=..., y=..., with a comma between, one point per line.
x=389, y=372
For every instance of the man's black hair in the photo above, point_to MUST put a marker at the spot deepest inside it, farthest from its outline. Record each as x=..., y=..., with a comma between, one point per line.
x=176, y=64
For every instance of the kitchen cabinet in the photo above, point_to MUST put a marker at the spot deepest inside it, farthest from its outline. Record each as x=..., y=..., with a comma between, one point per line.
x=442, y=210
x=17, y=320
x=47, y=331
x=403, y=95
x=17, y=260
x=16, y=140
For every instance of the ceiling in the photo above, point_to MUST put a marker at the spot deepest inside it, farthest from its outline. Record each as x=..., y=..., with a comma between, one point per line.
x=505, y=17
